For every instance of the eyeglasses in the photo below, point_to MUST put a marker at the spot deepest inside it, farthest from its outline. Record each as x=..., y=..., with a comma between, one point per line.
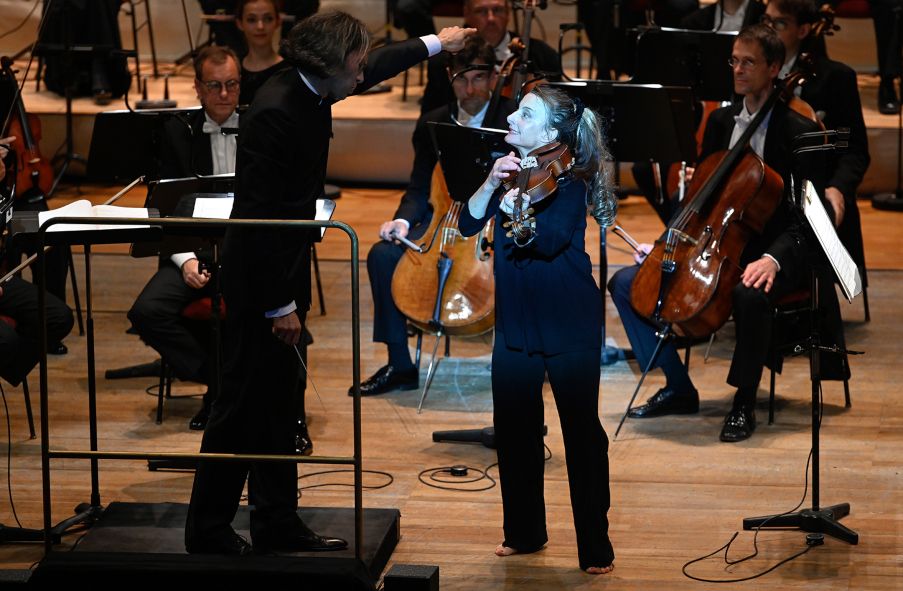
x=778, y=24
x=744, y=63
x=496, y=11
x=217, y=86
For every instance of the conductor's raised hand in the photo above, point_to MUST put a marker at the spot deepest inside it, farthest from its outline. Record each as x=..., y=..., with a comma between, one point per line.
x=503, y=170
x=287, y=328
x=452, y=38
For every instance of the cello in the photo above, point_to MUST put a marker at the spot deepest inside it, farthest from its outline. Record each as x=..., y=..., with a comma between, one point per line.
x=34, y=174
x=450, y=286
x=687, y=279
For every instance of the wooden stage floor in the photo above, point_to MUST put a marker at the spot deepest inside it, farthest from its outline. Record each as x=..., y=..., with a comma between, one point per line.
x=677, y=493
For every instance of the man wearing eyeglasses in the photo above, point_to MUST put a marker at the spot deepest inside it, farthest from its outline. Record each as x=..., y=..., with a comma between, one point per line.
x=473, y=76
x=773, y=262
x=832, y=92
x=197, y=146
x=490, y=19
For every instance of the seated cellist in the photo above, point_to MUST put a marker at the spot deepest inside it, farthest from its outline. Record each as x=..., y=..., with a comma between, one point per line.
x=472, y=89
x=774, y=262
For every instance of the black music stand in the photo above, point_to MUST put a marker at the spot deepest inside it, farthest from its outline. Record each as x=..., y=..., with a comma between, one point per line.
x=817, y=520
x=107, y=161
x=644, y=122
x=677, y=57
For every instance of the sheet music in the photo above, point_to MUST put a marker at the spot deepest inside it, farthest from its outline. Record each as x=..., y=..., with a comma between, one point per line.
x=221, y=207
x=83, y=209
x=844, y=267
x=216, y=208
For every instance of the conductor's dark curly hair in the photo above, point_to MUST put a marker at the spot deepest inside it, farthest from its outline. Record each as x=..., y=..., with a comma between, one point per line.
x=321, y=43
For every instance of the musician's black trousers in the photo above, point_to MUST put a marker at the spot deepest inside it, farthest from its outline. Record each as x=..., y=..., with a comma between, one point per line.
x=753, y=311
x=157, y=316
x=517, y=381
x=389, y=324
x=255, y=413
x=20, y=347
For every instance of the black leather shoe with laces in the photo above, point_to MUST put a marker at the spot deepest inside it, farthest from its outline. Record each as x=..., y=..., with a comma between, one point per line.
x=739, y=424
x=667, y=402
x=388, y=379
x=230, y=544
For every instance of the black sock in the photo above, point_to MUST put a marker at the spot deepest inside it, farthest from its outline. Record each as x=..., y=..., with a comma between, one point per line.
x=676, y=373
x=399, y=356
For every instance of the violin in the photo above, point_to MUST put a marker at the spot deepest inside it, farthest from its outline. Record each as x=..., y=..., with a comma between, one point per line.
x=34, y=174
x=537, y=179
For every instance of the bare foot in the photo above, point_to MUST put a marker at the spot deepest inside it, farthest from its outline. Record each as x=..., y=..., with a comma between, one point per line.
x=503, y=550
x=600, y=570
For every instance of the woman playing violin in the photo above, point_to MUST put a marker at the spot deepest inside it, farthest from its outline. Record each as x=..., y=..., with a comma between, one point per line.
x=548, y=322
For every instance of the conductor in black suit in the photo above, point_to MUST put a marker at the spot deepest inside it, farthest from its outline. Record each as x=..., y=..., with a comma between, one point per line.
x=773, y=262
x=473, y=89
x=490, y=19
x=283, y=149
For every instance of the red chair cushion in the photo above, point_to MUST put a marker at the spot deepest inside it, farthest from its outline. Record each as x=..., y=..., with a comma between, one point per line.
x=201, y=309
x=853, y=9
x=8, y=320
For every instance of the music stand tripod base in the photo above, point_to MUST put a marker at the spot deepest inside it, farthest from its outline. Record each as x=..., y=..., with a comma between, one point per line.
x=821, y=521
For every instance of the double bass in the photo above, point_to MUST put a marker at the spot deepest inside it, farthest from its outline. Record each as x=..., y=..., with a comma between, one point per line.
x=687, y=279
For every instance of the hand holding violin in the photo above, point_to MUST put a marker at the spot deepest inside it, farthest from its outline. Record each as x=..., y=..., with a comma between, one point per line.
x=502, y=170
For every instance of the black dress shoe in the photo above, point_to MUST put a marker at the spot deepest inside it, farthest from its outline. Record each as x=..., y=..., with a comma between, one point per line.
x=888, y=103
x=667, y=402
x=199, y=421
x=387, y=379
x=303, y=444
x=303, y=540
x=57, y=349
x=739, y=424
x=230, y=544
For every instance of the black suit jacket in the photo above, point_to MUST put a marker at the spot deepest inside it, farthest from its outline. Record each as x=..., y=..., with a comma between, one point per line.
x=781, y=237
x=184, y=147
x=438, y=91
x=834, y=95
x=283, y=146
x=703, y=19
x=415, y=206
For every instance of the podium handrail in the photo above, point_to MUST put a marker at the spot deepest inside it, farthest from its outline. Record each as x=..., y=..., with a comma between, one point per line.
x=75, y=237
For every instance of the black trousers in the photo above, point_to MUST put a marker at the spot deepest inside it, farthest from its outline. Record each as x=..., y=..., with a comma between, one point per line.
x=20, y=347
x=517, y=380
x=887, y=38
x=185, y=345
x=389, y=324
x=254, y=413
x=156, y=315
x=752, y=309
x=641, y=331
